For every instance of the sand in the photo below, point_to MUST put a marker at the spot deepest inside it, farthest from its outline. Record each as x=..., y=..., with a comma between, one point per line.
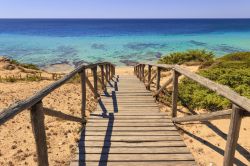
x=17, y=147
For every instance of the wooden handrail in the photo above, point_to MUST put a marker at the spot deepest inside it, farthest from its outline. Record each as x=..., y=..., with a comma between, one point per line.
x=35, y=103
x=241, y=104
x=222, y=90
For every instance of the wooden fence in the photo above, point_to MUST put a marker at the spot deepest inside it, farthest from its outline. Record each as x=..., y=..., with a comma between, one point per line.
x=35, y=104
x=240, y=104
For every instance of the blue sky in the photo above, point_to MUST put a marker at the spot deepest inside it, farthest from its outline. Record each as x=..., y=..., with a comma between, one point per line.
x=124, y=8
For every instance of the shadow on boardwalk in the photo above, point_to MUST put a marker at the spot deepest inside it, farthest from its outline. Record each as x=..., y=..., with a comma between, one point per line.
x=107, y=138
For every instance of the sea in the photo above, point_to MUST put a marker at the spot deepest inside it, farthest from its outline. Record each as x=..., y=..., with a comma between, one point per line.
x=121, y=41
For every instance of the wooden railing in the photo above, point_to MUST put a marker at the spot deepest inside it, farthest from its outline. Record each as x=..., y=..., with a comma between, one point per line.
x=35, y=104
x=240, y=104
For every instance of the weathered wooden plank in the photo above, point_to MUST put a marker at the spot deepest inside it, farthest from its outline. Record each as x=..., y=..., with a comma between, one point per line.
x=132, y=163
x=118, y=124
x=204, y=117
x=137, y=157
x=131, y=144
x=135, y=150
x=129, y=117
x=129, y=133
x=131, y=120
x=138, y=113
x=133, y=138
x=131, y=128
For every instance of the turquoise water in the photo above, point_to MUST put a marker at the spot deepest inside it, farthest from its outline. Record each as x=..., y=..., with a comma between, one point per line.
x=120, y=48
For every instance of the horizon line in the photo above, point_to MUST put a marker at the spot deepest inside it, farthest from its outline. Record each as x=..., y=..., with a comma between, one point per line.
x=126, y=18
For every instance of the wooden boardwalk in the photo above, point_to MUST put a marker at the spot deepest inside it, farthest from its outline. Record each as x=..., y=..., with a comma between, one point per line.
x=128, y=129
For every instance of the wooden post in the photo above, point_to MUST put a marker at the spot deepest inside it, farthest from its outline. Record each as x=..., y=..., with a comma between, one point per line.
x=102, y=76
x=107, y=74
x=158, y=78
x=110, y=68
x=175, y=93
x=149, y=76
x=233, y=135
x=83, y=86
x=94, y=70
x=141, y=68
x=37, y=121
x=143, y=72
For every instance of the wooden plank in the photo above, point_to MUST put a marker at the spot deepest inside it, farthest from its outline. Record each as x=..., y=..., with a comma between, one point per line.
x=137, y=157
x=232, y=136
x=133, y=138
x=37, y=121
x=131, y=144
x=135, y=150
x=131, y=117
x=131, y=128
x=136, y=113
x=204, y=117
x=129, y=133
x=132, y=120
x=118, y=124
x=121, y=163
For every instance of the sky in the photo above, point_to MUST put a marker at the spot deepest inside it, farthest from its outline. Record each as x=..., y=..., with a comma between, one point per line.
x=124, y=8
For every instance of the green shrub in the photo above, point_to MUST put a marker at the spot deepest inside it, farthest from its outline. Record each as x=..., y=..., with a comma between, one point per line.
x=201, y=56
x=232, y=70
x=24, y=65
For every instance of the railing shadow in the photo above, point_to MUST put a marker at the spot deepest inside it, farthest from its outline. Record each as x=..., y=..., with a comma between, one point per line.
x=107, y=141
x=58, y=114
x=215, y=148
x=244, y=152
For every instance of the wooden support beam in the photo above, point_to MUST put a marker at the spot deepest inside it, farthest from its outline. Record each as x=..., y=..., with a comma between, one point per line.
x=90, y=85
x=145, y=76
x=204, y=117
x=94, y=71
x=100, y=81
x=163, y=87
x=37, y=121
x=152, y=79
x=175, y=93
x=233, y=135
x=84, y=92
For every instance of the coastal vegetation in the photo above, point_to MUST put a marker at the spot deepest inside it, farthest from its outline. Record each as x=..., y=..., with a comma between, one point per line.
x=232, y=70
